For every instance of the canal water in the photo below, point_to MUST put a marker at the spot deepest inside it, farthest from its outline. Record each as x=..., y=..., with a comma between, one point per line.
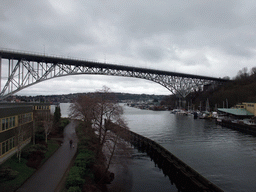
x=225, y=157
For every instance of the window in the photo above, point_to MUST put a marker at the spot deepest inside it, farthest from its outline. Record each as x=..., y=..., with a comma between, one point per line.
x=7, y=145
x=10, y=120
x=6, y=123
x=3, y=124
x=11, y=143
x=13, y=121
x=3, y=147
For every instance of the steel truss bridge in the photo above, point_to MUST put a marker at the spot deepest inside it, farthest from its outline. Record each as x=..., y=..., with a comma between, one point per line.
x=26, y=69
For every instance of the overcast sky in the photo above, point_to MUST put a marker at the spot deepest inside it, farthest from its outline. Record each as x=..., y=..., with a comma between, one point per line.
x=213, y=38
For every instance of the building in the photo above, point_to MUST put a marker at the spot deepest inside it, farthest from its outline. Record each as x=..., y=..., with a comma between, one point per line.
x=240, y=111
x=251, y=107
x=16, y=125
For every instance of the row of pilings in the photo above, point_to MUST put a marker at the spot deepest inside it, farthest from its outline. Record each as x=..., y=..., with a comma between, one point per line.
x=184, y=177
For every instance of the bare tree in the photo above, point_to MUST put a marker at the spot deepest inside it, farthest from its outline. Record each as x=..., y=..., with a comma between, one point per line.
x=96, y=109
x=243, y=73
x=253, y=71
x=102, y=113
x=19, y=139
x=82, y=109
x=106, y=109
x=48, y=125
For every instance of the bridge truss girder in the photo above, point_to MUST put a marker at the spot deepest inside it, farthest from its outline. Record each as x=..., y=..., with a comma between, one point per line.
x=26, y=73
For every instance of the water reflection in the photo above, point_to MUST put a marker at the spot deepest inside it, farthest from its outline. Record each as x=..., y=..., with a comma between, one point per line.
x=226, y=157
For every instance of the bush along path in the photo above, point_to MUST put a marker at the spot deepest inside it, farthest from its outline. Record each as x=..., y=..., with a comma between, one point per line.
x=88, y=171
x=50, y=174
x=14, y=173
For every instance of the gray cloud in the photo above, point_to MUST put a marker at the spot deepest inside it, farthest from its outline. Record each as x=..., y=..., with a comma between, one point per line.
x=201, y=37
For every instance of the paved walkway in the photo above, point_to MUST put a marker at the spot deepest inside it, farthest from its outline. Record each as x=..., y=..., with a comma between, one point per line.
x=47, y=178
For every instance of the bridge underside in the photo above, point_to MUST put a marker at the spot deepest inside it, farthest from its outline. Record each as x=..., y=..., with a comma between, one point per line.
x=25, y=72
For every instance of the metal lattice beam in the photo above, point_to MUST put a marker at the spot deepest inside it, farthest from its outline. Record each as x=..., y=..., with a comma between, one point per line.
x=31, y=69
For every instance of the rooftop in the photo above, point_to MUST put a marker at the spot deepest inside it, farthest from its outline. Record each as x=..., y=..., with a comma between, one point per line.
x=237, y=112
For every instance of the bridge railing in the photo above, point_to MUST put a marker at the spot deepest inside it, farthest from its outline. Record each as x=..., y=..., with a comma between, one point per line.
x=33, y=53
x=16, y=51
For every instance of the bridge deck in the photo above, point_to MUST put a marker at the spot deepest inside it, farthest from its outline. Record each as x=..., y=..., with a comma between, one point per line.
x=76, y=62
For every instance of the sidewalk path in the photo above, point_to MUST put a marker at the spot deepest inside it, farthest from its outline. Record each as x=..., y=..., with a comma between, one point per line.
x=47, y=178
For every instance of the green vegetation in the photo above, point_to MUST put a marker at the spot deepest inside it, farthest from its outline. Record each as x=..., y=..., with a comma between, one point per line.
x=63, y=123
x=241, y=89
x=14, y=173
x=82, y=170
x=23, y=170
x=57, y=114
x=102, y=110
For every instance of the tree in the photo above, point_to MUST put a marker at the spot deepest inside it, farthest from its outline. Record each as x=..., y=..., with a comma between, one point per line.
x=57, y=115
x=106, y=107
x=253, y=71
x=242, y=74
x=48, y=125
x=19, y=133
x=101, y=113
x=82, y=109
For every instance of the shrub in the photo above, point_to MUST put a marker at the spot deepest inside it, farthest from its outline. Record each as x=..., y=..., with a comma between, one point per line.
x=85, y=159
x=73, y=181
x=63, y=124
x=76, y=171
x=33, y=149
x=74, y=189
x=39, y=137
x=35, y=159
x=7, y=173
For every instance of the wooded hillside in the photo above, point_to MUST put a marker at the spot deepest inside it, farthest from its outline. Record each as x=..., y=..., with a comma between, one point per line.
x=241, y=88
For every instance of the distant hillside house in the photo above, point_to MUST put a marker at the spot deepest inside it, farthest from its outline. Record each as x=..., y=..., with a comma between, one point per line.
x=16, y=125
x=244, y=110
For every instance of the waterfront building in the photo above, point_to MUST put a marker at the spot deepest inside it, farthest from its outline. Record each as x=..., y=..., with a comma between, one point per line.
x=16, y=125
x=240, y=111
x=251, y=107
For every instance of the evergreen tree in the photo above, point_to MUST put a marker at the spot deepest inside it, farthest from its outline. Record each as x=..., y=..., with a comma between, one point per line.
x=57, y=114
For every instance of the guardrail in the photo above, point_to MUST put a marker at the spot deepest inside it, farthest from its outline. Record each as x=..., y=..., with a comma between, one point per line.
x=14, y=51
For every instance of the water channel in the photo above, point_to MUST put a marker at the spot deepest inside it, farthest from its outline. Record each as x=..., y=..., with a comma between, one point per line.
x=225, y=157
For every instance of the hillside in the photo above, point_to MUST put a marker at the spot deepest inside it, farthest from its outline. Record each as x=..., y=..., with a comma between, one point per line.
x=240, y=89
x=66, y=98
